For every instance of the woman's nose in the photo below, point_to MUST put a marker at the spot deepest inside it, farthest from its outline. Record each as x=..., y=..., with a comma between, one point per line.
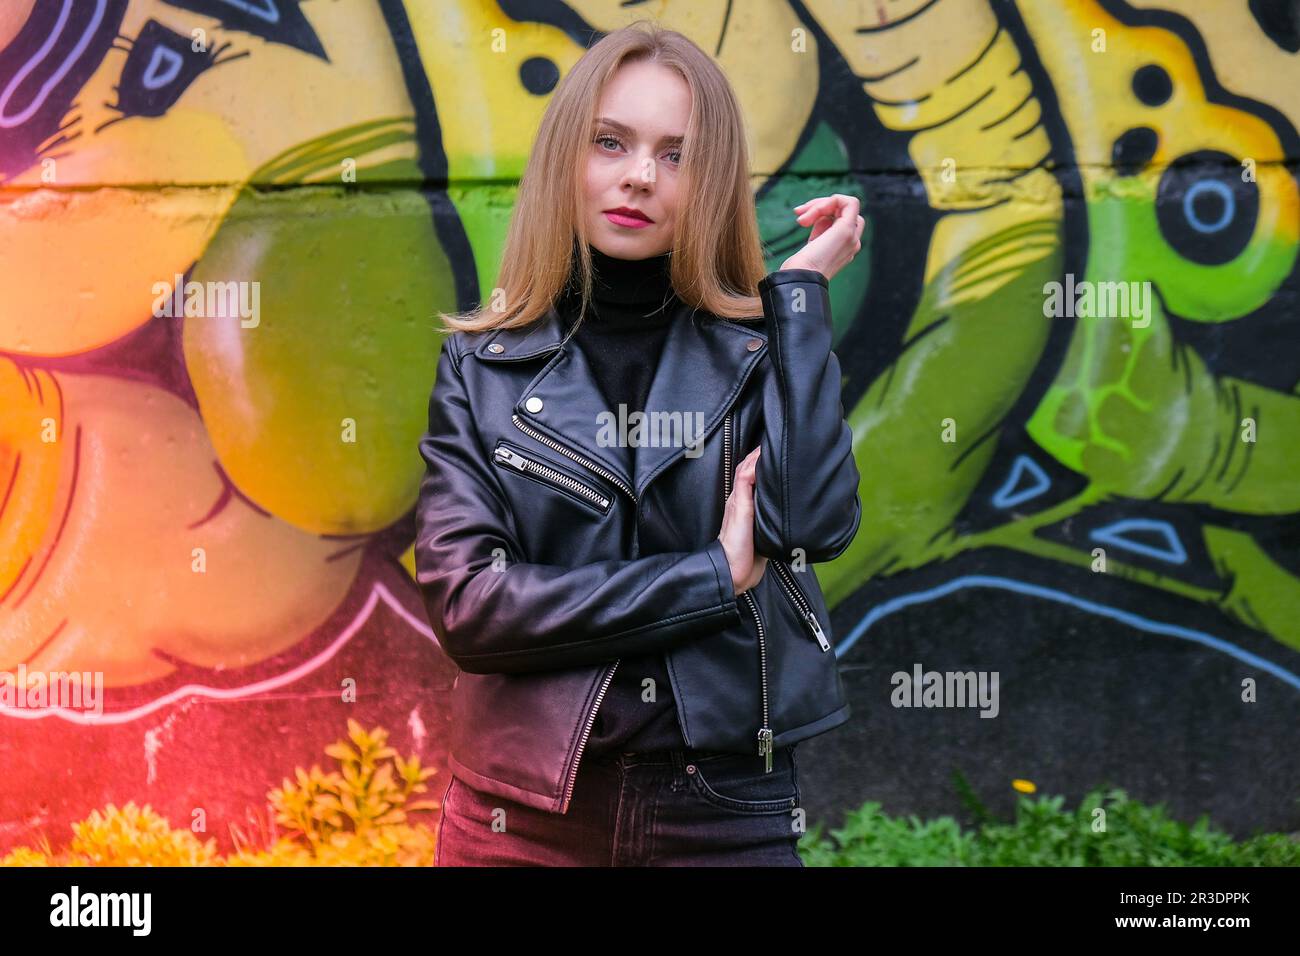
x=640, y=172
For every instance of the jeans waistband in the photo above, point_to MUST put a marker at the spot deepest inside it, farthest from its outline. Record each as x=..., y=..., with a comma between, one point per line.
x=677, y=758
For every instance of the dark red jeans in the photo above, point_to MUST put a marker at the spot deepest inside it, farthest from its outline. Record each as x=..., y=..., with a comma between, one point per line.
x=666, y=808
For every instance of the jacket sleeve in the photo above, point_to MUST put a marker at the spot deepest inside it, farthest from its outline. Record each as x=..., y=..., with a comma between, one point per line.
x=806, y=488
x=495, y=612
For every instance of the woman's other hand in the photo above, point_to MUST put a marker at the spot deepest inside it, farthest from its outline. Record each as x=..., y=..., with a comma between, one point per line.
x=836, y=234
x=737, y=534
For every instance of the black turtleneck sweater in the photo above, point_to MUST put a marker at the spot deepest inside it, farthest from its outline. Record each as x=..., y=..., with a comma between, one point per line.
x=622, y=338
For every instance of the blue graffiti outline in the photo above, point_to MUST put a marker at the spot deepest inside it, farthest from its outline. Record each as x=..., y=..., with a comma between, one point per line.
x=1003, y=497
x=1112, y=534
x=1220, y=190
x=1052, y=594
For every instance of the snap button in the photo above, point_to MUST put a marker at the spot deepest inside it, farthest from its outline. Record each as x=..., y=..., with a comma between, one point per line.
x=690, y=768
x=496, y=347
x=753, y=344
x=534, y=404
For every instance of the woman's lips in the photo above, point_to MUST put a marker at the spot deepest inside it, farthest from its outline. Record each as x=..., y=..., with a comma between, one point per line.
x=622, y=219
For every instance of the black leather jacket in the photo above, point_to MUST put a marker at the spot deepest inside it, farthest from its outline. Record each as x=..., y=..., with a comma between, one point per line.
x=545, y=553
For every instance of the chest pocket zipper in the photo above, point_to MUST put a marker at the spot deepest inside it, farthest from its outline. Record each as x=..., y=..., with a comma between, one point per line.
x=513, y=458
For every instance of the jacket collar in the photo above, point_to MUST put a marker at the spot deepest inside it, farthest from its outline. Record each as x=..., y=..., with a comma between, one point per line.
x=704, y=365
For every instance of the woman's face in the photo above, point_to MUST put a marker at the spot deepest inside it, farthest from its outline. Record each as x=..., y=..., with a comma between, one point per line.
x=633, y=161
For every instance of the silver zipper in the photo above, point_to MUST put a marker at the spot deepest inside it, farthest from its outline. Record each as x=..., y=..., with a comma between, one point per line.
x=622, y=486
x=801, y=605
x=587, y=463
x=582, y=741
x=764, y=731
x=531, y=466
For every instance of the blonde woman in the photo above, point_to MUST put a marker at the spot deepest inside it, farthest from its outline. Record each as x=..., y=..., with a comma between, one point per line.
x=636, y=450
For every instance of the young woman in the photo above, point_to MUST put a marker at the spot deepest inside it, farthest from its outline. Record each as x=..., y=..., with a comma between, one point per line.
x=631, y=462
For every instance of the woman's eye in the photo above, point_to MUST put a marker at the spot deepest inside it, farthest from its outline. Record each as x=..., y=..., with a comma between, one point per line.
x=608, y=139
x=678, y=154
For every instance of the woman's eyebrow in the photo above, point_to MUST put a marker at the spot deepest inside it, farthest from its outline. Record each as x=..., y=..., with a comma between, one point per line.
x=629, y=131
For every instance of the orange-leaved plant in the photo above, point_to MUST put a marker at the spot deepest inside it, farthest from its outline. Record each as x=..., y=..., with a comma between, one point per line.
x=354, y=816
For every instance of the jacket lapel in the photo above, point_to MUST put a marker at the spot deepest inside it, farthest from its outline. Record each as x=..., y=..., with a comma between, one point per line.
x=704, y=365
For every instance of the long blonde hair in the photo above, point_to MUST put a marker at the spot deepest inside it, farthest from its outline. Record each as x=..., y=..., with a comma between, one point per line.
x=717, y=255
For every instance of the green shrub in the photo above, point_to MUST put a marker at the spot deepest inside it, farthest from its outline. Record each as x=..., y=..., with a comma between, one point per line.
x=1129, y=833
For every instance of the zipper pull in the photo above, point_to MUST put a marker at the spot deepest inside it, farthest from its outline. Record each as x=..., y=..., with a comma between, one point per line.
x=765, y=747
x=817, y=630
x=506, y=455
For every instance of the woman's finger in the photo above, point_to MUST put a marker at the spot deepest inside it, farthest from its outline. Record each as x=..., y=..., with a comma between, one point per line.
x=821, y=227
x=739, y=474
x=808, y=202
x=847, y=211
x=839, y=216
x=836, y=204
x=829, y=212
x=744, y=514
x=821, y=205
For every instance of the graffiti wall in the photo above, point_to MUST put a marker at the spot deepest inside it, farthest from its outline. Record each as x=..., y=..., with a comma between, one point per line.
x=1071, y=349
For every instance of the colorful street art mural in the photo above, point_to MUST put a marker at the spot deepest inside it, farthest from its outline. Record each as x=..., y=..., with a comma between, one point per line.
x=1071, y=348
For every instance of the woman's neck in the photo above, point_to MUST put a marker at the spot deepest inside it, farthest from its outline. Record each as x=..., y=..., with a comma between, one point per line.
x=630, y=281
x=625, y=292
x=626, y=283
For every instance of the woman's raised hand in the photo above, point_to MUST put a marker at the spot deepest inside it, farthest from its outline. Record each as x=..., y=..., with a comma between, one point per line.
x=737, y=534
x=836, y=234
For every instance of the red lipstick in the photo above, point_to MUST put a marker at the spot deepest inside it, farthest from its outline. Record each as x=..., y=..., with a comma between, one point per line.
x=629, y=217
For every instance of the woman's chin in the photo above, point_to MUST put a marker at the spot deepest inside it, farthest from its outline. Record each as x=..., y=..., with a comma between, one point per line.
x=625, y=244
